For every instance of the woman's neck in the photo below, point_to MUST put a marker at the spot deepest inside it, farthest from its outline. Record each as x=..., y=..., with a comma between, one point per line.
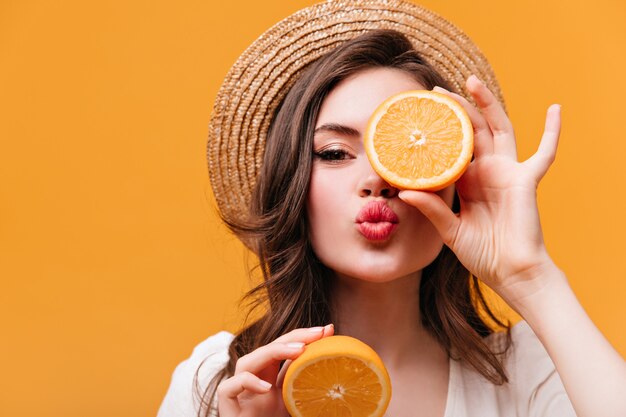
x=386, y=316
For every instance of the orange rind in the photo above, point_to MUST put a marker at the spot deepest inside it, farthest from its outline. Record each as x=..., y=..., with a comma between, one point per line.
x=419, y=139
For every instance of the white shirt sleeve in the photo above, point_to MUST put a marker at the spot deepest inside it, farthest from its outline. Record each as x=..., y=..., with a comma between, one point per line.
x=210, y=356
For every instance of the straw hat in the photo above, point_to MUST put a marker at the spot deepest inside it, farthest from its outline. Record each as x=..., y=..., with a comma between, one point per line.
x=261, y=76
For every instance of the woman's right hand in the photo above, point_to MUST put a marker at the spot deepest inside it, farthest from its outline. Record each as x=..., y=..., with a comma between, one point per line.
x=255, y=389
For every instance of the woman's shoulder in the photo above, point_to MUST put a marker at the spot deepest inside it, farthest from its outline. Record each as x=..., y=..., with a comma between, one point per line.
x=526, y=359
x=215, y=346
x=206, y=359
x=534, y=387
x=526, y=362
x=522, y=354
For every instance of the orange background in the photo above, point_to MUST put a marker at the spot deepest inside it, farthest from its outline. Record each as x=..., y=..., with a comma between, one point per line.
x=113, y=264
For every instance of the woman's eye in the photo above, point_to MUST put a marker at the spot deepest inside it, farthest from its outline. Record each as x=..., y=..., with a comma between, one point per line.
x=333, y=155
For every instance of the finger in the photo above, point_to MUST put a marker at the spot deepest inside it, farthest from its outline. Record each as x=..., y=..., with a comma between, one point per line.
x=546, y=153
x=329, y=330
x=228, y=390
x=287, y=346
x=436, y=210
x=499, y=123
x=483, y=141
x=306, y=335
x=269, y=355
x=281, y=374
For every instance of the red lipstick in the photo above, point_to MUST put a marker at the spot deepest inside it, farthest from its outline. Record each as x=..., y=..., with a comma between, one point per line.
x=376, y=221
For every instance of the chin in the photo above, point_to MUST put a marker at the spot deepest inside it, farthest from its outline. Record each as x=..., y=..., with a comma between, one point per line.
x=377, y=272
x=379, y=263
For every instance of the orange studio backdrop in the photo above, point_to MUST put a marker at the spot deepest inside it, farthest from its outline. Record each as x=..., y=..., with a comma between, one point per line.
x=113, y=262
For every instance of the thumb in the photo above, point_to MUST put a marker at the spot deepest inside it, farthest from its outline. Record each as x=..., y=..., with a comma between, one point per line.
x=436, y=210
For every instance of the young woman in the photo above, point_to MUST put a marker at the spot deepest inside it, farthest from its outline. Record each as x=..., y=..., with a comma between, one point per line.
x=410, y=291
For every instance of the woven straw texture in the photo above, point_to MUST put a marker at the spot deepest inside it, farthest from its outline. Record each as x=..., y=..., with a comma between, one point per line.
x=261, y=76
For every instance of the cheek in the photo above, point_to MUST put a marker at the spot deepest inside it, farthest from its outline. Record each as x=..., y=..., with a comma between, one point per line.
x=321, y=201
x=318, y=200
x=329, y=208
x=421, y=238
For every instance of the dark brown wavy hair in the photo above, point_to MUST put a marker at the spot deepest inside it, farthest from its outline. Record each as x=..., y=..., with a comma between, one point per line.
x=294, y=292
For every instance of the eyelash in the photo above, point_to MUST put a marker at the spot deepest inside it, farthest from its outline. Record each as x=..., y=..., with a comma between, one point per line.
x=332, y=155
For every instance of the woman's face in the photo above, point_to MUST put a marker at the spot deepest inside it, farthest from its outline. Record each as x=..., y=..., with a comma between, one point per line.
x=358, y=226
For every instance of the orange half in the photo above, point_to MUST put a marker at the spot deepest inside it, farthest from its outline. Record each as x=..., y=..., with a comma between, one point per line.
x=420, y=140
x=337, y=376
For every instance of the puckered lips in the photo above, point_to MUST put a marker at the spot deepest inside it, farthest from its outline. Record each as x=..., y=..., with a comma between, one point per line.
x=376, y=221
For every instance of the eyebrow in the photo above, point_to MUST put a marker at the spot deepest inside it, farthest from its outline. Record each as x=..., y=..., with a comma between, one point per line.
x=337, y=128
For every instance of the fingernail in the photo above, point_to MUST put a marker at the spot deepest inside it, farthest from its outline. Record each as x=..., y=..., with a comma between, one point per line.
x=440, y=89
x=295, y=345
x=264, y=384
x=316, y=329
x=328, y=327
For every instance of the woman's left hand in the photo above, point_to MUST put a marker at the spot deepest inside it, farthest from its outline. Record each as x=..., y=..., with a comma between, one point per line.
x=497, y=235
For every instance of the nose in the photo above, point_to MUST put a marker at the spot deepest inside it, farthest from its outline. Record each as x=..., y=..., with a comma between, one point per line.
x=372, y=185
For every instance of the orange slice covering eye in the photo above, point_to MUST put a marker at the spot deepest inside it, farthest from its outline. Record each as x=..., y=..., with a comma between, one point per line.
x=419, y=139
x=337, y=376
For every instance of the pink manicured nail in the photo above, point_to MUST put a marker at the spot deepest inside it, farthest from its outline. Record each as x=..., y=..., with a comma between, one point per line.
x=295, y=345
x=316, y=329
x=440, y=90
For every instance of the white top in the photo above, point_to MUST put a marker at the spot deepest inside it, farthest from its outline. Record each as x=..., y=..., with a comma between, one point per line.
x=534, y=387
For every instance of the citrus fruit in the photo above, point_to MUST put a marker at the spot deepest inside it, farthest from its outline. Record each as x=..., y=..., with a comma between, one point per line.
x=420, y=140
x=337, y=376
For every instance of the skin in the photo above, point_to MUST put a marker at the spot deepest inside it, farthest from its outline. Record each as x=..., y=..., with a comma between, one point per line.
x=497, y=236
x=343, y=181
x=375, y=295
